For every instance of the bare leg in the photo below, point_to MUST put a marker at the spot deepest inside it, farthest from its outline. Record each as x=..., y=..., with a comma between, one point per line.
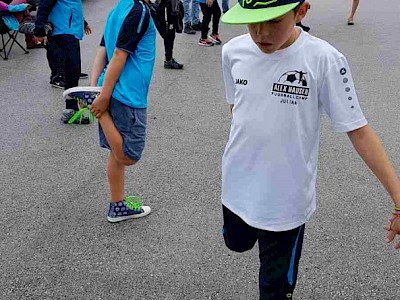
x=116, y=179
x=117, y=161
x=353, y=10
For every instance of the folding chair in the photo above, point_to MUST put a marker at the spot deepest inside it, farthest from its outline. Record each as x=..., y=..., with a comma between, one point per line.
x=8, y=37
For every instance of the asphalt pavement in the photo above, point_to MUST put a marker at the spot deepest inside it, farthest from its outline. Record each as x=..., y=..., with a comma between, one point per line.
x=55, y=242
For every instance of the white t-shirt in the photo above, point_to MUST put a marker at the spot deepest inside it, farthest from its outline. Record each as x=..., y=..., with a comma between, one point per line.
x=269, y=166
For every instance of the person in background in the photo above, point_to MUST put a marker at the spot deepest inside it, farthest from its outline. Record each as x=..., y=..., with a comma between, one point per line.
x=191, y=19
x=350, y=20
x=167, y=15
x=63, y=49
x=210, y=10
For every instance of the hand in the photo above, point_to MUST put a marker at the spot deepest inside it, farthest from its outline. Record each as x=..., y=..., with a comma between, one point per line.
x=99, y=105
x=393, y=229
x=88, y=30
x=41, y=39
x=209, y=3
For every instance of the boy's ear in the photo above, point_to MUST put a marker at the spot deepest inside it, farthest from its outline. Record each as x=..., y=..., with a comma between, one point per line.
x=301, y=12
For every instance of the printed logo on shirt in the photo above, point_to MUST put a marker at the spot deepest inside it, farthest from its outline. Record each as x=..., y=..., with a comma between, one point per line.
x=291, y=87
x=241, y=81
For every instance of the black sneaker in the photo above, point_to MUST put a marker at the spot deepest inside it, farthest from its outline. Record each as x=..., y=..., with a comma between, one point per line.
x=196, y=27
x=215, y=38
x=205, y=43
x=57, y=82
x=83, y=76
x=172, y=64
x=188, y=29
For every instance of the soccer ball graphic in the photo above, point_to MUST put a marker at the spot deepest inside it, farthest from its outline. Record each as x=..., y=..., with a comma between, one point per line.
x=294, y=77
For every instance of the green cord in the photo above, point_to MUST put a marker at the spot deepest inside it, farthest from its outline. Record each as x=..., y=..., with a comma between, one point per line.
x=79, y=114
x=133, y=203
x=81, y=111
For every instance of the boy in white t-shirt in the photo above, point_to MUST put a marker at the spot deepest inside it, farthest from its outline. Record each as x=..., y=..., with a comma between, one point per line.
x=278, y=80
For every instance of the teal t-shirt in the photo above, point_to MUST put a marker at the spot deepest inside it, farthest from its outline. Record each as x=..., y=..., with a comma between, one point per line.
x=130, y=28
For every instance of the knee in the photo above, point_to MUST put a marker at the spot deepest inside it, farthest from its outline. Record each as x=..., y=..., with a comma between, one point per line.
x=124, y=160
x=237, y=244
x=129, y=162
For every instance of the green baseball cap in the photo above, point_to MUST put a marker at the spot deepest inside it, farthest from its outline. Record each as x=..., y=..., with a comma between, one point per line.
x=257, y=11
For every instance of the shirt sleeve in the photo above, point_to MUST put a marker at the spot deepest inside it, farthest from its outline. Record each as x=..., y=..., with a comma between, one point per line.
x=133, y=28
x=228, y=79
x=339, y=99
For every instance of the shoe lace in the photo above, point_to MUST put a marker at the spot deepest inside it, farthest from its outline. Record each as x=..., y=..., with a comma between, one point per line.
x=79, y=114
x=83, y=107
x=133, y=203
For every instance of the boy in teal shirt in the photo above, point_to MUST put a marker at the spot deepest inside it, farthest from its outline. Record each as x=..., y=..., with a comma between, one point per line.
x=123, y=67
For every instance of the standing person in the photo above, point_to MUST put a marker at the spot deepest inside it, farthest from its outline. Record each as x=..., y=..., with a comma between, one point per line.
x=167, y=17
x=66, y=17
x=210, y=9
x=56, y=62
x=279, y=74
x=127, y=50
x=350, y=20
x=191, y=17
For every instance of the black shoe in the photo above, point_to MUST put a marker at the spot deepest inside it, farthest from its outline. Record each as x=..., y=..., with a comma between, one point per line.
x=172, y=64
x=83, y=76
x=188, y=29
x=305, y=28
x=196, y=27
x=57, y=82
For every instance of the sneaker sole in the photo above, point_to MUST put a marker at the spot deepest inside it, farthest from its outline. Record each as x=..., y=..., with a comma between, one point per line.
x=88, y=89
x=214, y=41
x=146, y=211
x=83, y=77
x=171, y=68
x=57, y=86
x=76, y=122
x=205, y=45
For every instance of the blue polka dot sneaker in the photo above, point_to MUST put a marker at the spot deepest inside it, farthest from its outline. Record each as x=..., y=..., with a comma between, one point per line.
x=129, y=208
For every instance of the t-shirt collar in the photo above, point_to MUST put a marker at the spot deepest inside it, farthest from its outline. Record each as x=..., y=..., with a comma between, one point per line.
x=279, y=54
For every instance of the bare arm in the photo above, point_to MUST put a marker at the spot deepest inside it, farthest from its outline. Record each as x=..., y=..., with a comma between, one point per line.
x=98, y=66
x=371, y=150
x=115, y=67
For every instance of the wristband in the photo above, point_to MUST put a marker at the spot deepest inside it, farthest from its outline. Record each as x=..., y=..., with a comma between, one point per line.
x=396, y=208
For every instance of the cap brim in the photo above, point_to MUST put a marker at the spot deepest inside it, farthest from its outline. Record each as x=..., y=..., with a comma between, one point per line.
x=240, y=15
